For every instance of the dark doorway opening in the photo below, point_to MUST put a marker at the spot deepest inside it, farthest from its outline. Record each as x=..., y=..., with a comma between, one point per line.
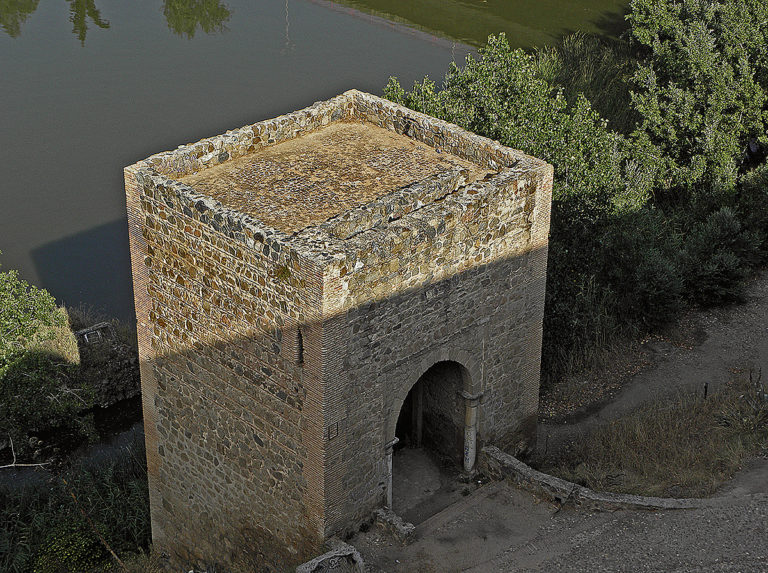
x=428, y=456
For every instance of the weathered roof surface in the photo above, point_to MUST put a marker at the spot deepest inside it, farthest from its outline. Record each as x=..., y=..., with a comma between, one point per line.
x=307, y=180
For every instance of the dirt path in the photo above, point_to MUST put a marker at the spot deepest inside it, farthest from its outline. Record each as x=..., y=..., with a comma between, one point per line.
x=502, y=529
x=715, y=347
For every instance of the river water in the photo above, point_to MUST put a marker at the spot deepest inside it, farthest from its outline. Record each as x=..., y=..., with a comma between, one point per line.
x=90, y=86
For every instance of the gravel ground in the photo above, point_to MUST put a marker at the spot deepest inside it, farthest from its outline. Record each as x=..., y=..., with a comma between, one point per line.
x=500, y=528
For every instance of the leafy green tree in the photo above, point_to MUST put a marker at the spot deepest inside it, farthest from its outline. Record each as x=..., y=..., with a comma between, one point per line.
x=701, y=85
x=185, y=17
x=502, y=95
x=13, y=13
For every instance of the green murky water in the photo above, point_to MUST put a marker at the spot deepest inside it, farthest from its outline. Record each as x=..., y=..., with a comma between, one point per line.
x=525, y=22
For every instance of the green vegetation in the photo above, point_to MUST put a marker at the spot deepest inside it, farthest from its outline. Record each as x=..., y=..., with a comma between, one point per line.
x=704, y=443
x=657, y=141
x=43, y=529
x=701, y=86
x=44, y=391
x=40, y=394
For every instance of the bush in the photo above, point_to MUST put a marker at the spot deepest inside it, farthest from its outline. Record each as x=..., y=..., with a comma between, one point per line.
x=39, y=390
x=41, y=528
x=30, y=319
x=601, y=70
x=71, y=546
x=717, y=257
x=701, y=89
x=752, y=208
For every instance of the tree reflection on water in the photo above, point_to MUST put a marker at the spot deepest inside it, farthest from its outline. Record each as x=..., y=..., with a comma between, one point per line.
x=183, y=17
x=13, y=13
x=79, y=12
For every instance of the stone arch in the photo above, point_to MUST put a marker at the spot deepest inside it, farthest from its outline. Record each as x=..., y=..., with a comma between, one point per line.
x=472, y=380
x=463, y=395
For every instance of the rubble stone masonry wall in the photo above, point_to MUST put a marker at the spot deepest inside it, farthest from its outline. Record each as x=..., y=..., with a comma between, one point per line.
x=226, y=412
x=275, y=364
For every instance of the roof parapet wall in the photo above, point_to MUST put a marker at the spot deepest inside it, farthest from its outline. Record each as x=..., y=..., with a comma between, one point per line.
x=342, y=239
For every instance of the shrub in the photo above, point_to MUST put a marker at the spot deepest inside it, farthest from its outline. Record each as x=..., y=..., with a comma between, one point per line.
x=71, y=546
x=752, y=207
x=599, y=69
x=41, y=528
x=39, y=392
x=717, y=257
x=701, y=89
x=29, y=318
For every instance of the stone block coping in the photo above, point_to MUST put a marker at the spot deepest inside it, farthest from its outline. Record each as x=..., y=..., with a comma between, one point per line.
x=317, y=178
x=499, y=465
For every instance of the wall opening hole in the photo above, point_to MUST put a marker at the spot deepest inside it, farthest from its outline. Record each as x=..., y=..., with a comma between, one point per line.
x=299, y=347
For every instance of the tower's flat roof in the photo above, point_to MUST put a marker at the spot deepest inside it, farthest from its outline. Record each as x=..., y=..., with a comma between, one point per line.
x=307, y=180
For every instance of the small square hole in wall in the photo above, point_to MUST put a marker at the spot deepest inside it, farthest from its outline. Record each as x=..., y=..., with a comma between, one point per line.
x=332, y=431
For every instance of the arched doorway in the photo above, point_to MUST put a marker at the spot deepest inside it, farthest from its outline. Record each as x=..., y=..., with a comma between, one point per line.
x=430, y=433
x=432, y=414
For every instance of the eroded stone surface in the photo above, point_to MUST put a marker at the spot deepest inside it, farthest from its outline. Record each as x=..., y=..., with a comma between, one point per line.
x=312, y=178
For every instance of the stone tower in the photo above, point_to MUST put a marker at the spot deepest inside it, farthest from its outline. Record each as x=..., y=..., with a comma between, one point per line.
x=294, y=279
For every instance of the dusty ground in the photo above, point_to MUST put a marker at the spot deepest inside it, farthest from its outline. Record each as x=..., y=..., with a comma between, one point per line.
x=499, y=528
x=703, y=348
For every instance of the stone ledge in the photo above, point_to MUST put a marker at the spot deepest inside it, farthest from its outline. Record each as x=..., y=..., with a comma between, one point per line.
x=498, y=465
x=343, y=558
x=395, y=525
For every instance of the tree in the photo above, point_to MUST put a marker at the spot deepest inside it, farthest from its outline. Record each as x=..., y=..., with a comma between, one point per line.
x=701, y=86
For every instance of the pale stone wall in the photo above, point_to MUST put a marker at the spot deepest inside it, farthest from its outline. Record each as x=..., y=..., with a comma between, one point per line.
x=255, y=447
x=461, y=279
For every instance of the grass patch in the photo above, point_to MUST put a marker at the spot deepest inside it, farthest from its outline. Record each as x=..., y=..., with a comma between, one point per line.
x=42, y=529
x=684, y=449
